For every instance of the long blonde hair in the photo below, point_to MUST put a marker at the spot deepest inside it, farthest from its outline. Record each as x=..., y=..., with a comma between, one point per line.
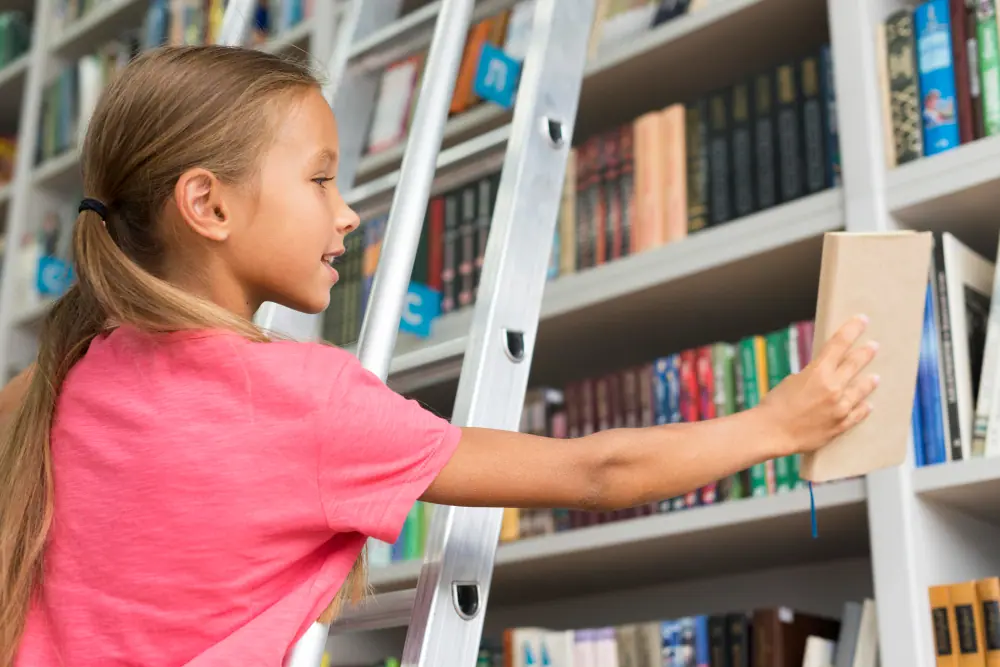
x=169, y=110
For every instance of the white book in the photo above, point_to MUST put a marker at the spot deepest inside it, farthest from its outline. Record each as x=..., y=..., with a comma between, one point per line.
x=985, y=427
x=969, y=279
x=818, y=652
x=866, y=652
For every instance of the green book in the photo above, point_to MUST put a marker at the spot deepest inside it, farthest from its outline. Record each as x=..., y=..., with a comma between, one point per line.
x=778, y=368
x=751, y=364
x=989, y=65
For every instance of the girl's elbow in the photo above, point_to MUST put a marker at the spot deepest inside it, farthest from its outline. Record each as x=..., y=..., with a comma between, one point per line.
x=608, y=475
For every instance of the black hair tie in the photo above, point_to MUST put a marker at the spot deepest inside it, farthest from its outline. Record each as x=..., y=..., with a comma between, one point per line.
x=94, y=205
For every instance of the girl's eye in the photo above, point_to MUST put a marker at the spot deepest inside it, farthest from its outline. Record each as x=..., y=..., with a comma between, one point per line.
x=321, y=181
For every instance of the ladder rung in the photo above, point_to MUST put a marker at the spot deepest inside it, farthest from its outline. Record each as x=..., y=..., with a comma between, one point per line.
x=379, y=612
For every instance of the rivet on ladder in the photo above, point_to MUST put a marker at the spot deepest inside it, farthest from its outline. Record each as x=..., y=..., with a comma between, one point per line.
x=466, y=599
x=555, y=132
x=514, y=345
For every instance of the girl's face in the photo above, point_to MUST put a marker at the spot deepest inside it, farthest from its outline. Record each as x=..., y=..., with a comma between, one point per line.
x=289, y=248
x=276, y=242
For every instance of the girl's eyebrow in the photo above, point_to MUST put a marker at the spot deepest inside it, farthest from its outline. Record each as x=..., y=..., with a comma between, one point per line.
x=326, y=156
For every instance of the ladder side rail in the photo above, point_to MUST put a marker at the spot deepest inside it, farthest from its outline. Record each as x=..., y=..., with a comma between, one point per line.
x=461, y=544
x=237, y=22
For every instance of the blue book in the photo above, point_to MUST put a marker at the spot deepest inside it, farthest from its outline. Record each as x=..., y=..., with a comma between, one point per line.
x=936, y=67
x=929, y=388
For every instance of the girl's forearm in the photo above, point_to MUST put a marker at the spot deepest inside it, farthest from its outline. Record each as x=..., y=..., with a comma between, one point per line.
x=639, y=466
x=612, y=469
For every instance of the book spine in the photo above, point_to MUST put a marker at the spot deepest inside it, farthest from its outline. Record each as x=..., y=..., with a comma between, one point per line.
x=765, y=138
x=688, y=396
x=611, y=175
x=704, y=370
x=988, y=51
x=696, y=141
x=936, y=76
x=789, y=134
x=778, y=367
x=814, y=134
x=435, y=243
x=626, y=186
x=968, y=623
x=960, y=56
x=949, y=393
x=720, y=163
x=904, y=93
x=467, y=245
x=449, y=271
x=988, y=591
x=744, y=202
x=486, y=191
x=975, y=76
x=929, y=386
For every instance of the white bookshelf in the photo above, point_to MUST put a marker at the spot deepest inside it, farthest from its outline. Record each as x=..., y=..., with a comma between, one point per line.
x=889, y=536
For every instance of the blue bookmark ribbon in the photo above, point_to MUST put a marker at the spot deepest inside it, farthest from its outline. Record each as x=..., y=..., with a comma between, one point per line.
x=812, y=511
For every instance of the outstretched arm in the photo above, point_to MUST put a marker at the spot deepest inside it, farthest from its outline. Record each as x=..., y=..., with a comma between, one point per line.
x=623, y=468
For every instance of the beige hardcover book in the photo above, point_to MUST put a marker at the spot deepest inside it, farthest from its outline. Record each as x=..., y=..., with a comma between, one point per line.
x=883, y=276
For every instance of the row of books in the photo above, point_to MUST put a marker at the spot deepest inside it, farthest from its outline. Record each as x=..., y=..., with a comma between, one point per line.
x=687, y=386
x=940, y=77
x=15, y=36
x=70, y=96
x=767, y=637
x=765, y=140
x=509, y=30
x=965, y=620
x=449, y=257
x=956, y=412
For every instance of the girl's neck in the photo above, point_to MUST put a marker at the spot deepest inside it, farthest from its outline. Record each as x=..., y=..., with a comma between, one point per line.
x=215, y=284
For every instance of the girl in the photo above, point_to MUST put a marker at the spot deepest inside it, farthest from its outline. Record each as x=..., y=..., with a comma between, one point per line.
x=179, y=490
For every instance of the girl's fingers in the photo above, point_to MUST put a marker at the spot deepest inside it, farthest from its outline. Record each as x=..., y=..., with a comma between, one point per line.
x=856, y=416
x=856, y=360
x=834, y=350
x=859, y=390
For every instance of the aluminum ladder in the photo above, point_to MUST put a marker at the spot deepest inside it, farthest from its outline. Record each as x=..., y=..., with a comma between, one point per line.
x=444, y=613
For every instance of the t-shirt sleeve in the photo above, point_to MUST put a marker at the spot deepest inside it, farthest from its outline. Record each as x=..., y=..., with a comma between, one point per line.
x=379, y=452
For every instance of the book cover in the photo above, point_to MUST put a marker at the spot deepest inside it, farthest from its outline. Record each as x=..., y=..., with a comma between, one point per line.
x=852, y=265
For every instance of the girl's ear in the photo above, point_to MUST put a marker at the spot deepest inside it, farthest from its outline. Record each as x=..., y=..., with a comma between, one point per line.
x=200, y=203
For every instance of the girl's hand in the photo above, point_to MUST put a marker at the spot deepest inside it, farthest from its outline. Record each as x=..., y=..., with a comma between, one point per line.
x=828, y=397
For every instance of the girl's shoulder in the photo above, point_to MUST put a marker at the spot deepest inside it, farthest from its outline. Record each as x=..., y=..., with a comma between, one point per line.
x=220, y=354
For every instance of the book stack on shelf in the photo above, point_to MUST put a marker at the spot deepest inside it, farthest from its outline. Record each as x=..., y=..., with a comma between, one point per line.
x=15, y=36
x=70, y=94
x=956, y=414
x=766, y=637
x=510, y=30
x=940, y=77
x=966, y=622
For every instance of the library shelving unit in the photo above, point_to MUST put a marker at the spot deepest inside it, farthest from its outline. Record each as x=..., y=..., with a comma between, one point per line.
x=888, y=536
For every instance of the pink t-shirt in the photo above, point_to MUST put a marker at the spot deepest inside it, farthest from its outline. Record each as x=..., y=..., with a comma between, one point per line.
x=211, y=495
